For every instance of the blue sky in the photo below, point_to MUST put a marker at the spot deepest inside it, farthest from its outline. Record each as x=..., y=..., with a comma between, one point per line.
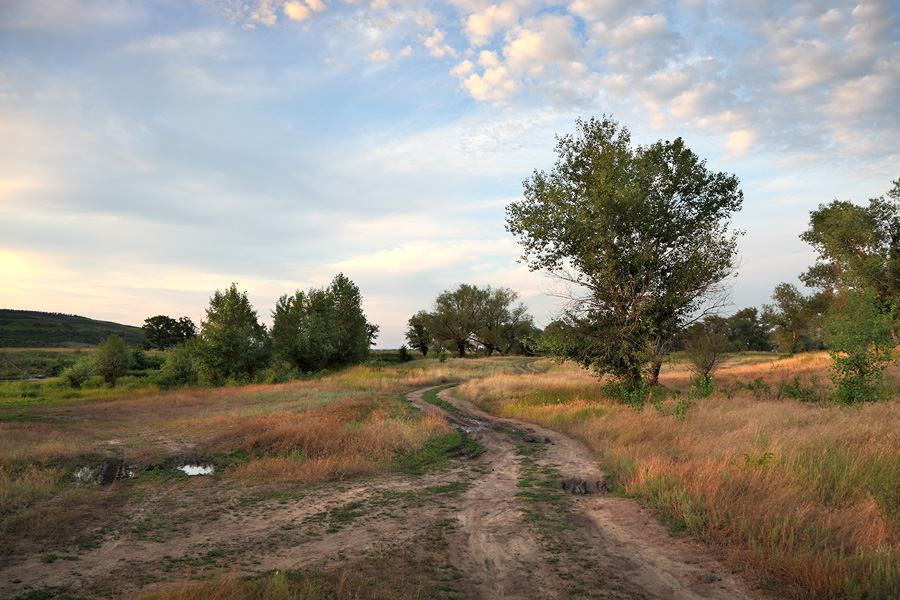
x=153, y=152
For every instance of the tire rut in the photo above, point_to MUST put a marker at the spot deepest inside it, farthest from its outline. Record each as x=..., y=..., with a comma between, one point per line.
x=612, y=547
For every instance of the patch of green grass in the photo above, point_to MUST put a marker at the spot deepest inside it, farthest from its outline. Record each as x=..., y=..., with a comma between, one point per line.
x=437, y=452
x=431, y=396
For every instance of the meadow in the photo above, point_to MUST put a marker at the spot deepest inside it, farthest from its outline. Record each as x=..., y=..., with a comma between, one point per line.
x=796, y=493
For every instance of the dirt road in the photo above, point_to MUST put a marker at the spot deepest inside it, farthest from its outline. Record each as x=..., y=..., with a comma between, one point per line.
x=496, y=526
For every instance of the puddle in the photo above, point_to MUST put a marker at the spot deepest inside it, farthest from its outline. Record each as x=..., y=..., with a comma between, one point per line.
x=105, y=473
x=192, y=470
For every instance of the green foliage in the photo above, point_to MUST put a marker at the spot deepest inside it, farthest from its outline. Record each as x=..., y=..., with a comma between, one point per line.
x=793, y=318
x=404, y=355
x=163, y=332
x=111, y=359
x=180, y=367
x=860, y=344
x=643, y=229
x=322, y=328
x=416, y=333
x=33, y=329
x=702, y=387
x=810, y=391
x=470, y=316
x=746, y=331
x=232, y=345
x=78, y=373
x=859, y=262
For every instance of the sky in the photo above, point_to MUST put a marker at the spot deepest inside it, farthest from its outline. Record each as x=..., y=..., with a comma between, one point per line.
x=153, y=152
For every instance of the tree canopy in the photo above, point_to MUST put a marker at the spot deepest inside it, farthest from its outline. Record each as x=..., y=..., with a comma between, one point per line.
x=322, y=328
x=471, y=316
x=641, y=232
x=232, y=342
x=162, y=331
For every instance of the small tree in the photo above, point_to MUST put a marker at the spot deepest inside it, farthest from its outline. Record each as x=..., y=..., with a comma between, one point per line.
x=416, y=333
x=860, y=343
x=705, y=349
x=111, y=359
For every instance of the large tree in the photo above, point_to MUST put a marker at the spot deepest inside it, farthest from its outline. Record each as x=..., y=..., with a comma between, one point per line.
x=232, y=342
x=498, y=318
x=456, y=315
x=322, y=328
x=640, y=232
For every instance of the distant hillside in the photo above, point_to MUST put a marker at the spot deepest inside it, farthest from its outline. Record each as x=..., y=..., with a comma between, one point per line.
x=32, y=329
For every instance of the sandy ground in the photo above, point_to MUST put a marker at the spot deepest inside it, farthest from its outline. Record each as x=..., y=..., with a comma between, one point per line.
x=481, y=528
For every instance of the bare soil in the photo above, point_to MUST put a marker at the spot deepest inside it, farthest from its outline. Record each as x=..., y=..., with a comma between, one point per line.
x=528, y=518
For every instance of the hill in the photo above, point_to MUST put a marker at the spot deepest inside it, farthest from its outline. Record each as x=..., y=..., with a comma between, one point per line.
x=33, y=329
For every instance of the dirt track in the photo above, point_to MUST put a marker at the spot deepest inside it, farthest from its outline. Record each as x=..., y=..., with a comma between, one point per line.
x=497, y=526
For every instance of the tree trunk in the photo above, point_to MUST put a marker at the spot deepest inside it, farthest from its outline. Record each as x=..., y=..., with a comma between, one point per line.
x=461, y=347
x=653, y=374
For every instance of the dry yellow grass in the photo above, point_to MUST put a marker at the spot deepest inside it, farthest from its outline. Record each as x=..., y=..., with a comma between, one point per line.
x=802, y=495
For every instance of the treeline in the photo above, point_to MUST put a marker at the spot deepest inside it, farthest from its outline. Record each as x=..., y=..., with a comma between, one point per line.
x=311, y=331
x=472, y=319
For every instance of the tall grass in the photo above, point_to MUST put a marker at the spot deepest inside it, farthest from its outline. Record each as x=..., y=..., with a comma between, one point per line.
x=804, y=496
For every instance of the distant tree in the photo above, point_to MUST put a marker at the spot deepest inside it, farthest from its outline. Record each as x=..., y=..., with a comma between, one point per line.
x=746, y=331
x=322, y=328
x=232, y=342
x=111, y=359
x=498, y=318
x=159, y=331
x=523, y=337
x=456, y=316
x=353, y=334
x=163, y=332
x=642, y=234
x=416, y=333
x=792, y=318
x=186, y=329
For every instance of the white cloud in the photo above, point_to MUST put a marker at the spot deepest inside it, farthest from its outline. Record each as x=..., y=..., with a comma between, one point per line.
x=297, y=11
x=481, y=26
x=436, y=46
x=379, y=55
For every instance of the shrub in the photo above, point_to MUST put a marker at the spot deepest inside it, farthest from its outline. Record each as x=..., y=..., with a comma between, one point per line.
x=78, y=373
x=705, y=351
x=112, y=359
x=179, y=368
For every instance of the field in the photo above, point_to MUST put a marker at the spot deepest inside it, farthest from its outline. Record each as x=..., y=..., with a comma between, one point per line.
x=343, y=486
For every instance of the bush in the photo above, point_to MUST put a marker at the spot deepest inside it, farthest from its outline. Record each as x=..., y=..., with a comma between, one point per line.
x=179, y=368
x=112, y=359
x=705, y=351
x=78, y=373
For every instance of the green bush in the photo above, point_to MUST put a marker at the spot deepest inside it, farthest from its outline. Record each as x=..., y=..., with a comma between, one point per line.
x=111, y=359
x=78, y=373
x=179, y=368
